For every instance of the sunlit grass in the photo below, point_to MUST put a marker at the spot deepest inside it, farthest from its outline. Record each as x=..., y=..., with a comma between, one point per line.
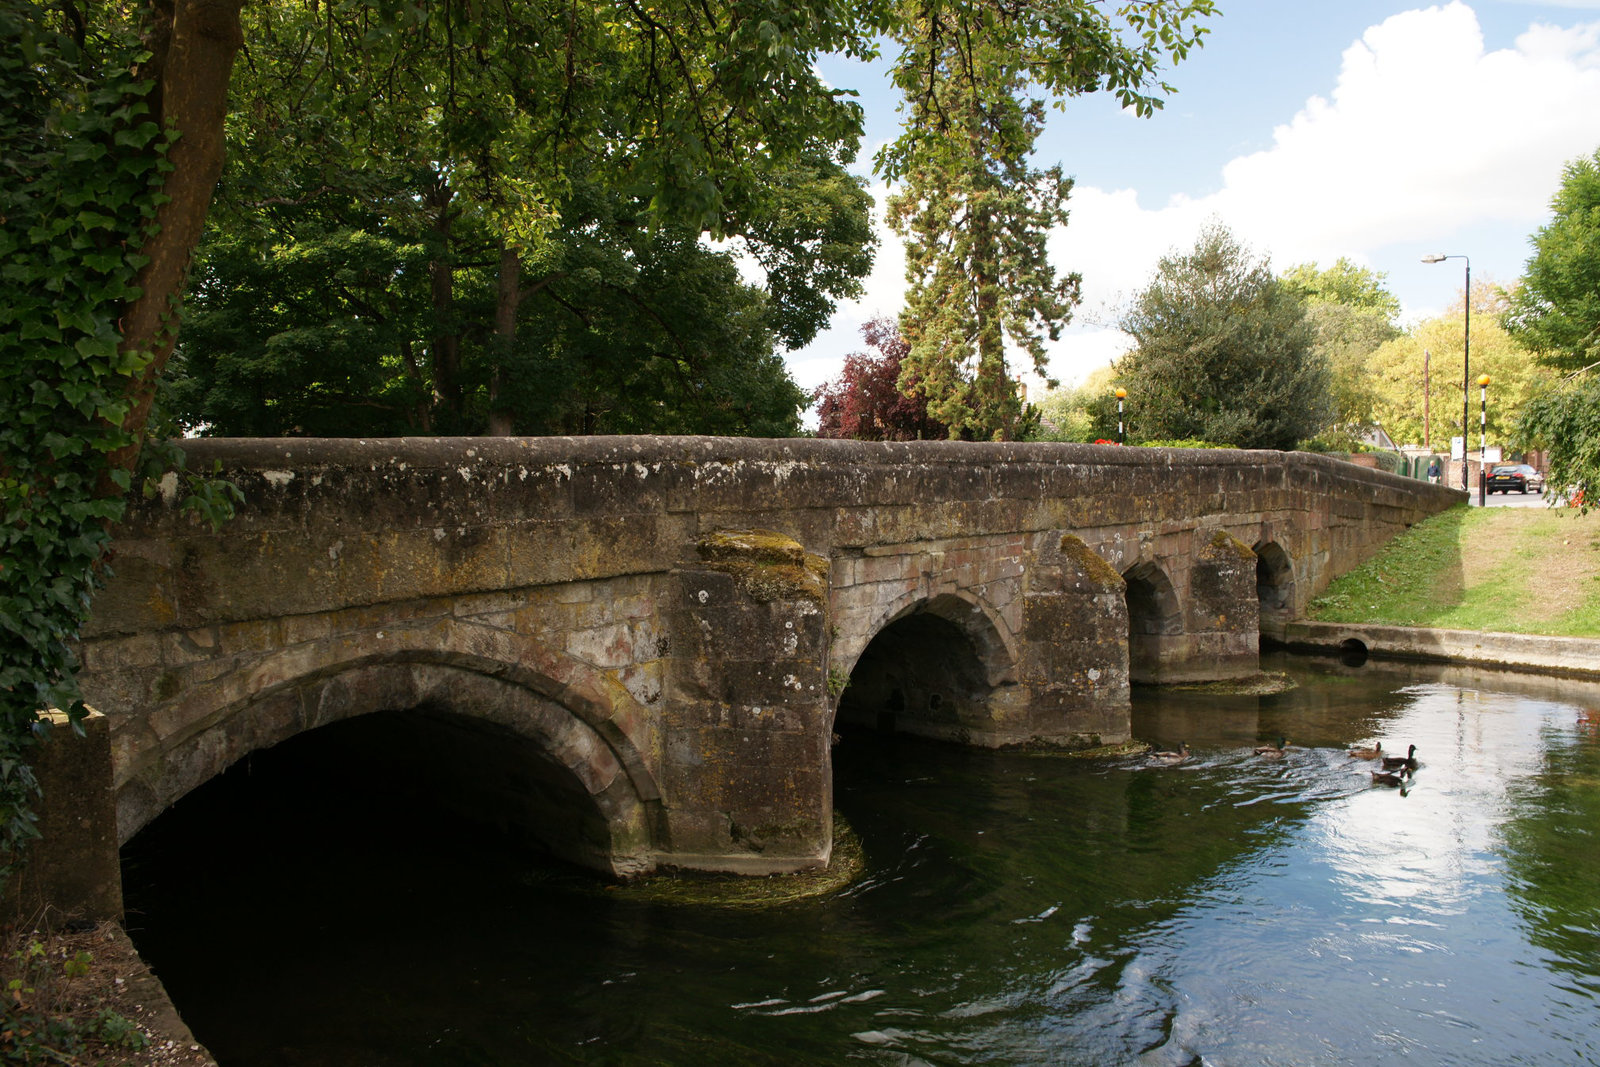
x=1506, y=569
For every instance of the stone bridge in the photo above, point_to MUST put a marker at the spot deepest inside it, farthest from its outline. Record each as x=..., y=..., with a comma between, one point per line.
x=642, y=647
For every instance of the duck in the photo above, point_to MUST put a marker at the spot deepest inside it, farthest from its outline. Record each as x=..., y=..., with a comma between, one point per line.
x=1391, y=778
x=1172, y=757
x=1408, y=761
x=1274, y=751
x=1375, y=752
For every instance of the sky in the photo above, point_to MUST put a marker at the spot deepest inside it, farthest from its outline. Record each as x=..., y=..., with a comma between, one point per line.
x=1376, y=131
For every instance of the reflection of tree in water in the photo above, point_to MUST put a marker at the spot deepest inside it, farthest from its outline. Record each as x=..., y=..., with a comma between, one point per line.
x=1552, y=848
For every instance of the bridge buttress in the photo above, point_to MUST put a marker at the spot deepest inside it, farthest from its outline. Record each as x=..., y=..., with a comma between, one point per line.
x=1074, y=648
x=747, y=781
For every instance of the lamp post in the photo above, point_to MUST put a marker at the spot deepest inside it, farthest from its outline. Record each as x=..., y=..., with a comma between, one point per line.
x=1483, y=431
x=1122, y=394
x=1466, y=361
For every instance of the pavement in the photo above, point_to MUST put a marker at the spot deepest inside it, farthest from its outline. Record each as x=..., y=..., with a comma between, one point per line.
x=1511, y=500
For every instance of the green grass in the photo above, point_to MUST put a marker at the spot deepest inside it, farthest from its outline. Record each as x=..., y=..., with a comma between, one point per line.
x=1513, y=570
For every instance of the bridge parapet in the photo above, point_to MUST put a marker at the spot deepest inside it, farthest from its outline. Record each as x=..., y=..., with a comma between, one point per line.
x=670, y=621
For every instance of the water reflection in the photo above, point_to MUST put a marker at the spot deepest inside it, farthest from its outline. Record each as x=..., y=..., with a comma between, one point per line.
x=1017, y=909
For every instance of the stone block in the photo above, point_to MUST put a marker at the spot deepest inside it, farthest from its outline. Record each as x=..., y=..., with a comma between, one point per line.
x=73, y=870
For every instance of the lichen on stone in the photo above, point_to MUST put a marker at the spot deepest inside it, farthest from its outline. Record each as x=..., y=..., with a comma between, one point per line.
x=767, y=565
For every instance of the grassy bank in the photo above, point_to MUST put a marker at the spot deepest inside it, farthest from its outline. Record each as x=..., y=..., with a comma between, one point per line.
x=1516, y=570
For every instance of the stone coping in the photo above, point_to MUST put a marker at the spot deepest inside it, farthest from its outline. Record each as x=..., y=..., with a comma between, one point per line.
x=452, y=452
x=1577, y=657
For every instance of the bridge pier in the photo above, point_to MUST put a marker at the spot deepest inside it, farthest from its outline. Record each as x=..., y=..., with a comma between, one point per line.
x=746, y=724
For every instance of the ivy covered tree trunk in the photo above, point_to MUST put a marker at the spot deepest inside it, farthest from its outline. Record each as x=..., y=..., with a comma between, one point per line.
x=192, y=45
x=110, y=145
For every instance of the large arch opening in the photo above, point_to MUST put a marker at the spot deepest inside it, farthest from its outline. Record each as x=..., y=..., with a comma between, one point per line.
x=533, y=768
x=1153, y=615
x=389, y=846
x=924, y=673
x=1274, y=588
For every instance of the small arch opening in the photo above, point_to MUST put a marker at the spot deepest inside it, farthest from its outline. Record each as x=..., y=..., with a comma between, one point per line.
x=1353, y=652
x=1274, y=588
x=1153, y=614
x=921, y=675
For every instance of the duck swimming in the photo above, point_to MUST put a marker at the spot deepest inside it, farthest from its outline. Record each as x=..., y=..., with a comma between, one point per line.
x=1391, y=778
x=1274, y=751
x=1408, y=761
x=1368, y=753
x=1172, y=757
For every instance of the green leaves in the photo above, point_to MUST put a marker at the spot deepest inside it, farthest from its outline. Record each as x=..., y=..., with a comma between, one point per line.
x=80, y=175
x=1224, y=352
x=1555, y=312
x=974, y=211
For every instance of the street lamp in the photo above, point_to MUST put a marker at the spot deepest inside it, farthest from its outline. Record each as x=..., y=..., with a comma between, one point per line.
x=1122, y=394
x=1466, y=361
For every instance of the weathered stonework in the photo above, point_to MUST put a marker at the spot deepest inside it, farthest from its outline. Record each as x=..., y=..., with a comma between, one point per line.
x=668, y=623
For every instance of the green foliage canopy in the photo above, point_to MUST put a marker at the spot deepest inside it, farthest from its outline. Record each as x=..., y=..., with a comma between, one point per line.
x=1224, y=352
x=1352, y=313
x=1555, y=312
x=492, y=258
x=1429, y=355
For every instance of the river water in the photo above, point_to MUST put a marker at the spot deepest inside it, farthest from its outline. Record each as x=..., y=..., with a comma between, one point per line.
x=1015, y=909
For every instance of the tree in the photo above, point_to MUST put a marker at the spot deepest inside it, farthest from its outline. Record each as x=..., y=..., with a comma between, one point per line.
x=975, y=213
x=867, y=402
x=628, y=330
x=1351, y=313
x=1429, y=354
x=1564, y=419
x=543, y=253
x=1555, y=312
x=1087, y=412
x=1224, y=352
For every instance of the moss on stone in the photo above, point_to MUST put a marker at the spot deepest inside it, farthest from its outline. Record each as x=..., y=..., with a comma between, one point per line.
x=764, y=546
x=767, y=565
x=1224, y=543
x=1261, y=684
x=742, y=891
x=1090, y=562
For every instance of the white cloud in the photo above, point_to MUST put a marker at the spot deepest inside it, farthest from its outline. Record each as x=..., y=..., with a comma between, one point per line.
x=1425, y=136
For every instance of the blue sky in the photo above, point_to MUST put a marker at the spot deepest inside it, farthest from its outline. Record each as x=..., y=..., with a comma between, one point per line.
x=1379, y=131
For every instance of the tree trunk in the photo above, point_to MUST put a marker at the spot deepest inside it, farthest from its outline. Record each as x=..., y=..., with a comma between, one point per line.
x=193, y=44
x=994, y=397
x=507, y=299
x=446, y=346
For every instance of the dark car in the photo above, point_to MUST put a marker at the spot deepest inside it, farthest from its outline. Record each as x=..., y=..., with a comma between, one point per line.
x=1518, y=476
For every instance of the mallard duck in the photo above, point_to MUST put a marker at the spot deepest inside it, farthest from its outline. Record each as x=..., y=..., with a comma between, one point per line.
x=1408, y=761
x=1368, y=753
x=1172, y=757
x=1391, y=778
x=1274, y=751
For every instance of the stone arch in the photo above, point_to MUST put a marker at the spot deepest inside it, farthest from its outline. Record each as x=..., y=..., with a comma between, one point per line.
x=551, y=708
x=1275, y=587
x=930, y=669
x=1154, y=617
